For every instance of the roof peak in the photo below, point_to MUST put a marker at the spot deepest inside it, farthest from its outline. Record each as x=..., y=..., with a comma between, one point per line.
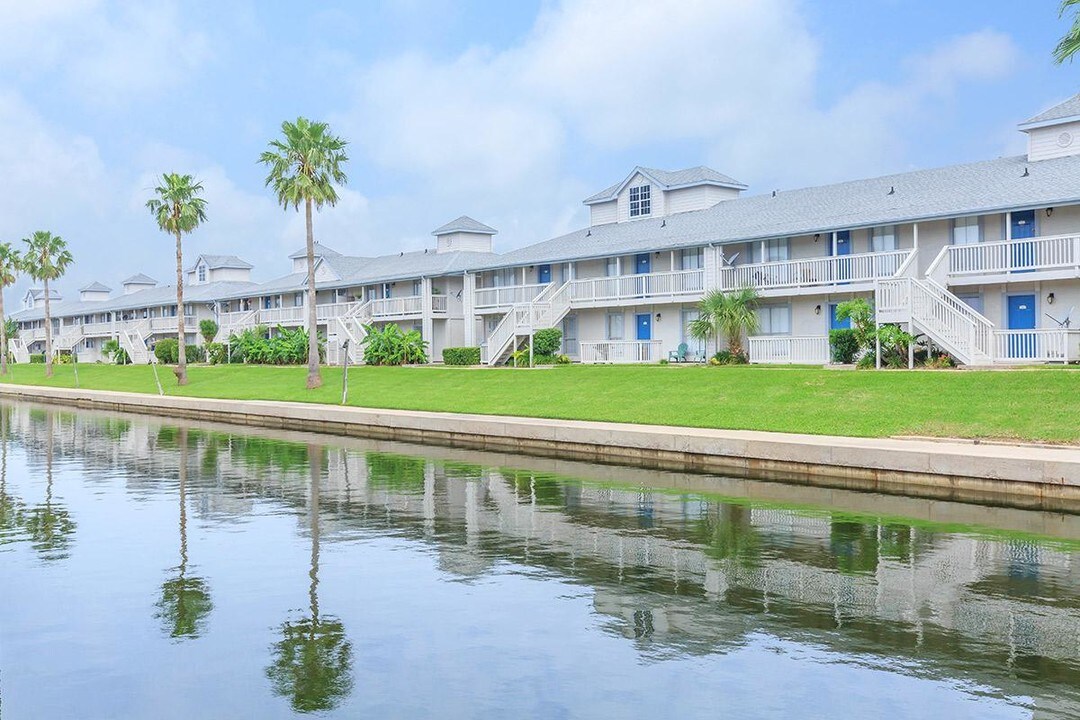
x=1064, y=111
x=670, y=180
x=464, y=224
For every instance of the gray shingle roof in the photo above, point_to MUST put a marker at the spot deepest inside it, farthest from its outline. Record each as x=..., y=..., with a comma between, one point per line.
x=464, y=224
x=956, y=190
x=320, y=250
x=1068, y=109
x=215, y=262
x=150, y=297
x=669, y=180
x=39, y=293
x=139, y=279
x=95, y=287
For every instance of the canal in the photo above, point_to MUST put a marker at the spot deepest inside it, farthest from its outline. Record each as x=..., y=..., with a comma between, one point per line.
x=152, y=569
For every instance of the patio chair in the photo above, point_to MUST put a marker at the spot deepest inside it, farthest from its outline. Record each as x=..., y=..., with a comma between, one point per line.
x=678, y=355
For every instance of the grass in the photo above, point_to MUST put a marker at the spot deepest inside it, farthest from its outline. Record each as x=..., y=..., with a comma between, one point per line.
x=1023, y=404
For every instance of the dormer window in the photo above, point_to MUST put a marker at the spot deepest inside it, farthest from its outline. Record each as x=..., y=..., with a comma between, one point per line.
x=202, y=273
x=640, y=200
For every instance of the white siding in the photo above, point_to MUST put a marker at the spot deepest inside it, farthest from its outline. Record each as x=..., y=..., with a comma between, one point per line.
x=463, y=241
x=603, y=213
x=229, y=275
x=656, y=199
x=1054, y=141
x=696, y=198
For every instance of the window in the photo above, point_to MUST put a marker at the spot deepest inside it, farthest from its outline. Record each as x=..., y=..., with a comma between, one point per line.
x=883, y=239
x=774, y=319
x=615, y=326
x=417, y=288
x=640, y=200
x=611, y=268
x=298, y=299
x=202, y=273
x=692, y=259
x=773, y=250
x=189, y=311
x=966, y=231
x=694, y=345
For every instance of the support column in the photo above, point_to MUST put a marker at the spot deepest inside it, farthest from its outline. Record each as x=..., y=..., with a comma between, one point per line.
x=427, y=321
x=712, y=267
x=468, y=308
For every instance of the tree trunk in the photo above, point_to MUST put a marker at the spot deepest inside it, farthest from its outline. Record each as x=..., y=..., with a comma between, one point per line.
x=314, y=378
x=48, y=333
x=3, y=336
x=181, y=351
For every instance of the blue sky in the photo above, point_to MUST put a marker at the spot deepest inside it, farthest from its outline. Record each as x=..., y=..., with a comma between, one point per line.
x=509, y=112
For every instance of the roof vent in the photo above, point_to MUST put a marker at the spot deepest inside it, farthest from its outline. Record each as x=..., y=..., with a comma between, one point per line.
x=892, y=190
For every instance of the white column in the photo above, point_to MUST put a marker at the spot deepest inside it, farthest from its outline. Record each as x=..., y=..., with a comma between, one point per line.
x=468, y=308
x=712, y=267
x=427, y=322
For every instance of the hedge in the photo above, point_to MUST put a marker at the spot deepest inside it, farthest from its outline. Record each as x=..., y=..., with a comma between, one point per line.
x=461, y=356
x=38, y=358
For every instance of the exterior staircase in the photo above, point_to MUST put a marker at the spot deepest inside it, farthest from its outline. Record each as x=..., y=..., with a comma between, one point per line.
x=927, y=307
x=349, y=327
x=19, y=350
x=523, y=319
x=133, y=341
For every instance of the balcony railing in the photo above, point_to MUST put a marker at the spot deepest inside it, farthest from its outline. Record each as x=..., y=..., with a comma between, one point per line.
x=789, y=350
x=397, y=307
x=282, y=316
x=814, y=272
x=1061, y=252
x=1036, y=346
x=500, y=297
x=649, y=286
x=620, y=351
x=438, y=303
x=329, y=311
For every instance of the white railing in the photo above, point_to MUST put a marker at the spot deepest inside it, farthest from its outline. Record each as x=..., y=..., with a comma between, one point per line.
x=508, y=295
x=945, y=318
x=397, y=307
x=812, y=272
x=620, y=351
x=1032, y=346
x=282, y=316
x=19, y=349
x=231, y=322
x=168, y=324
x=499, y=339
x=789, y=350
x=328, y=311
x=98, y=329
x=638, y=287
x=438, y=304
x=1060, y=252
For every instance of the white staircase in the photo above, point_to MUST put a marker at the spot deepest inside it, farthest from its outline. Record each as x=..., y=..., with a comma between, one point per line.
x=19, y=350
x=348, y=326
x=927, y=307
x=523, y=319
x=133, y=340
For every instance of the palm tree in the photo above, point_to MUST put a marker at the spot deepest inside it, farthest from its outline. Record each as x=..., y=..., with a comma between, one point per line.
x=46, y=258
x=312, y=663
x=11, y=508
x=10, y=264
x=50, y=526
x=726, y=314
x=304, y=167
x=178, y=209
x=1070, y=44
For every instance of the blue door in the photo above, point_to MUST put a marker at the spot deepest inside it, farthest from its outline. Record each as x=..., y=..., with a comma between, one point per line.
x=644, y=327
x=843, y=247
x=1021, y=316
x=834, y=323
x=543, y=274
x=1023, y=254
x=643, y=264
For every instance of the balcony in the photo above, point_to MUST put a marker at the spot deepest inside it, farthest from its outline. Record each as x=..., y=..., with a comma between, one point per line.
x=789, y=350
x=815, y=275
x=648, y=287
x=1027, y=260
x=620, y=351
x=502, y=298
x=395, y=308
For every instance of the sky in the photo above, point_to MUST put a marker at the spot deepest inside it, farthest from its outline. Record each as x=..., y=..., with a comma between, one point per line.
x=510, y=112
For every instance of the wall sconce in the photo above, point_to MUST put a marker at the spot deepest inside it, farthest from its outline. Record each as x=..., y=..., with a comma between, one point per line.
x=817, y=309
x=1049, y=212
x=817, y=236
x=1050, y=299
x=657, y=317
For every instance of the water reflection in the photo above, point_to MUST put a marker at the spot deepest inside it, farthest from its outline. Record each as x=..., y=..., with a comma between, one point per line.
x=312, y=661
x=673, y=576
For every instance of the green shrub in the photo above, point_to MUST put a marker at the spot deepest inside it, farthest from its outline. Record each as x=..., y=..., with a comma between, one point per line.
x=288, y=347
x=63, y=358
x=167, y=351
x=544, y=359
x=208, y=329
x=726, y=357
x=461, y=356
x=216, y=353
x=547, y=341
x=393, y=346
x=37, y=358
x=562, y=360
x=114, y=351
x=195, y=353
x=845, y=345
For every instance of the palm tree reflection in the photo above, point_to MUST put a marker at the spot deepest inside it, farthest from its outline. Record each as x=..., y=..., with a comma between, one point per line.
x=50, y=526
x=12, y=512
x=312, y=663
x=185, y=600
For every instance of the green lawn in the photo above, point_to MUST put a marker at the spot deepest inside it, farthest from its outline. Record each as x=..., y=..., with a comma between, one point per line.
x=1029, y=404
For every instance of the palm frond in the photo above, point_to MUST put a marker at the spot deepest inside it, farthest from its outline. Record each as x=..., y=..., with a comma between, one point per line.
x=305, y=164
x=1070, y=44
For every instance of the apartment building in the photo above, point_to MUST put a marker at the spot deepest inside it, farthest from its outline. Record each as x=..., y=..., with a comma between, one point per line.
x=981, y=258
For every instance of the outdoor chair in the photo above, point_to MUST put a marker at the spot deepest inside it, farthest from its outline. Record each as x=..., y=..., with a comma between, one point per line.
x=678, y=355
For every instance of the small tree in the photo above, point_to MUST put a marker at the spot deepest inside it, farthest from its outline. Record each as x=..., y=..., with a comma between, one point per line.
x=10, y=264
x=729, y=315
x=208, y=329
x=46, y=258
x=861, y=314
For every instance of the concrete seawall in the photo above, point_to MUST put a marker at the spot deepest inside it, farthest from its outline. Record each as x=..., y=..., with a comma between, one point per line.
x=1019, y=475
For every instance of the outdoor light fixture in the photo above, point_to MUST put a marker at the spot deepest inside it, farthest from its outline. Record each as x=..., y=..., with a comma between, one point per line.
x=1050, y=299
x=657, y=317
x=817, y=236
x=817, y=309
x=1049, y=212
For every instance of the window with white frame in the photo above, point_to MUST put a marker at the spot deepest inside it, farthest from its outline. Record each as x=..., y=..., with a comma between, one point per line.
x=693, y=259
x=772, y=250
x=774, y=320
x=640, y=200
x=615, y=326
x=417, y=288
x=202, y=273
x=966, y=231
x=298, y=299
x=696, y=346
x=611, y=267
x=883, y=239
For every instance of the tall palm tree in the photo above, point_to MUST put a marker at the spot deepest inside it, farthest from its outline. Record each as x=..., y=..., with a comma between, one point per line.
x=46, y=258
x=726, y=314
x=1070, y=44
x=178, y=209
x=10, y=264
x=304, y=167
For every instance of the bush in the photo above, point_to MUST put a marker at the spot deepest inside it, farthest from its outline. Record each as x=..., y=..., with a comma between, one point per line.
x=393, y=346
x=562, y=359
x=195, y=353
x=63, y=358
x=216, y=353
x=113, y=350
x=287, y=347
x=37, y=358
x=726, y=357
x=845, y=345
x=461, y=356
x=208, y=329
x=544, y=359
x=167, y=351
x=547, y=341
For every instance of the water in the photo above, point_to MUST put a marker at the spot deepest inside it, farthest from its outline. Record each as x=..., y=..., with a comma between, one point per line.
x=148, y=570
